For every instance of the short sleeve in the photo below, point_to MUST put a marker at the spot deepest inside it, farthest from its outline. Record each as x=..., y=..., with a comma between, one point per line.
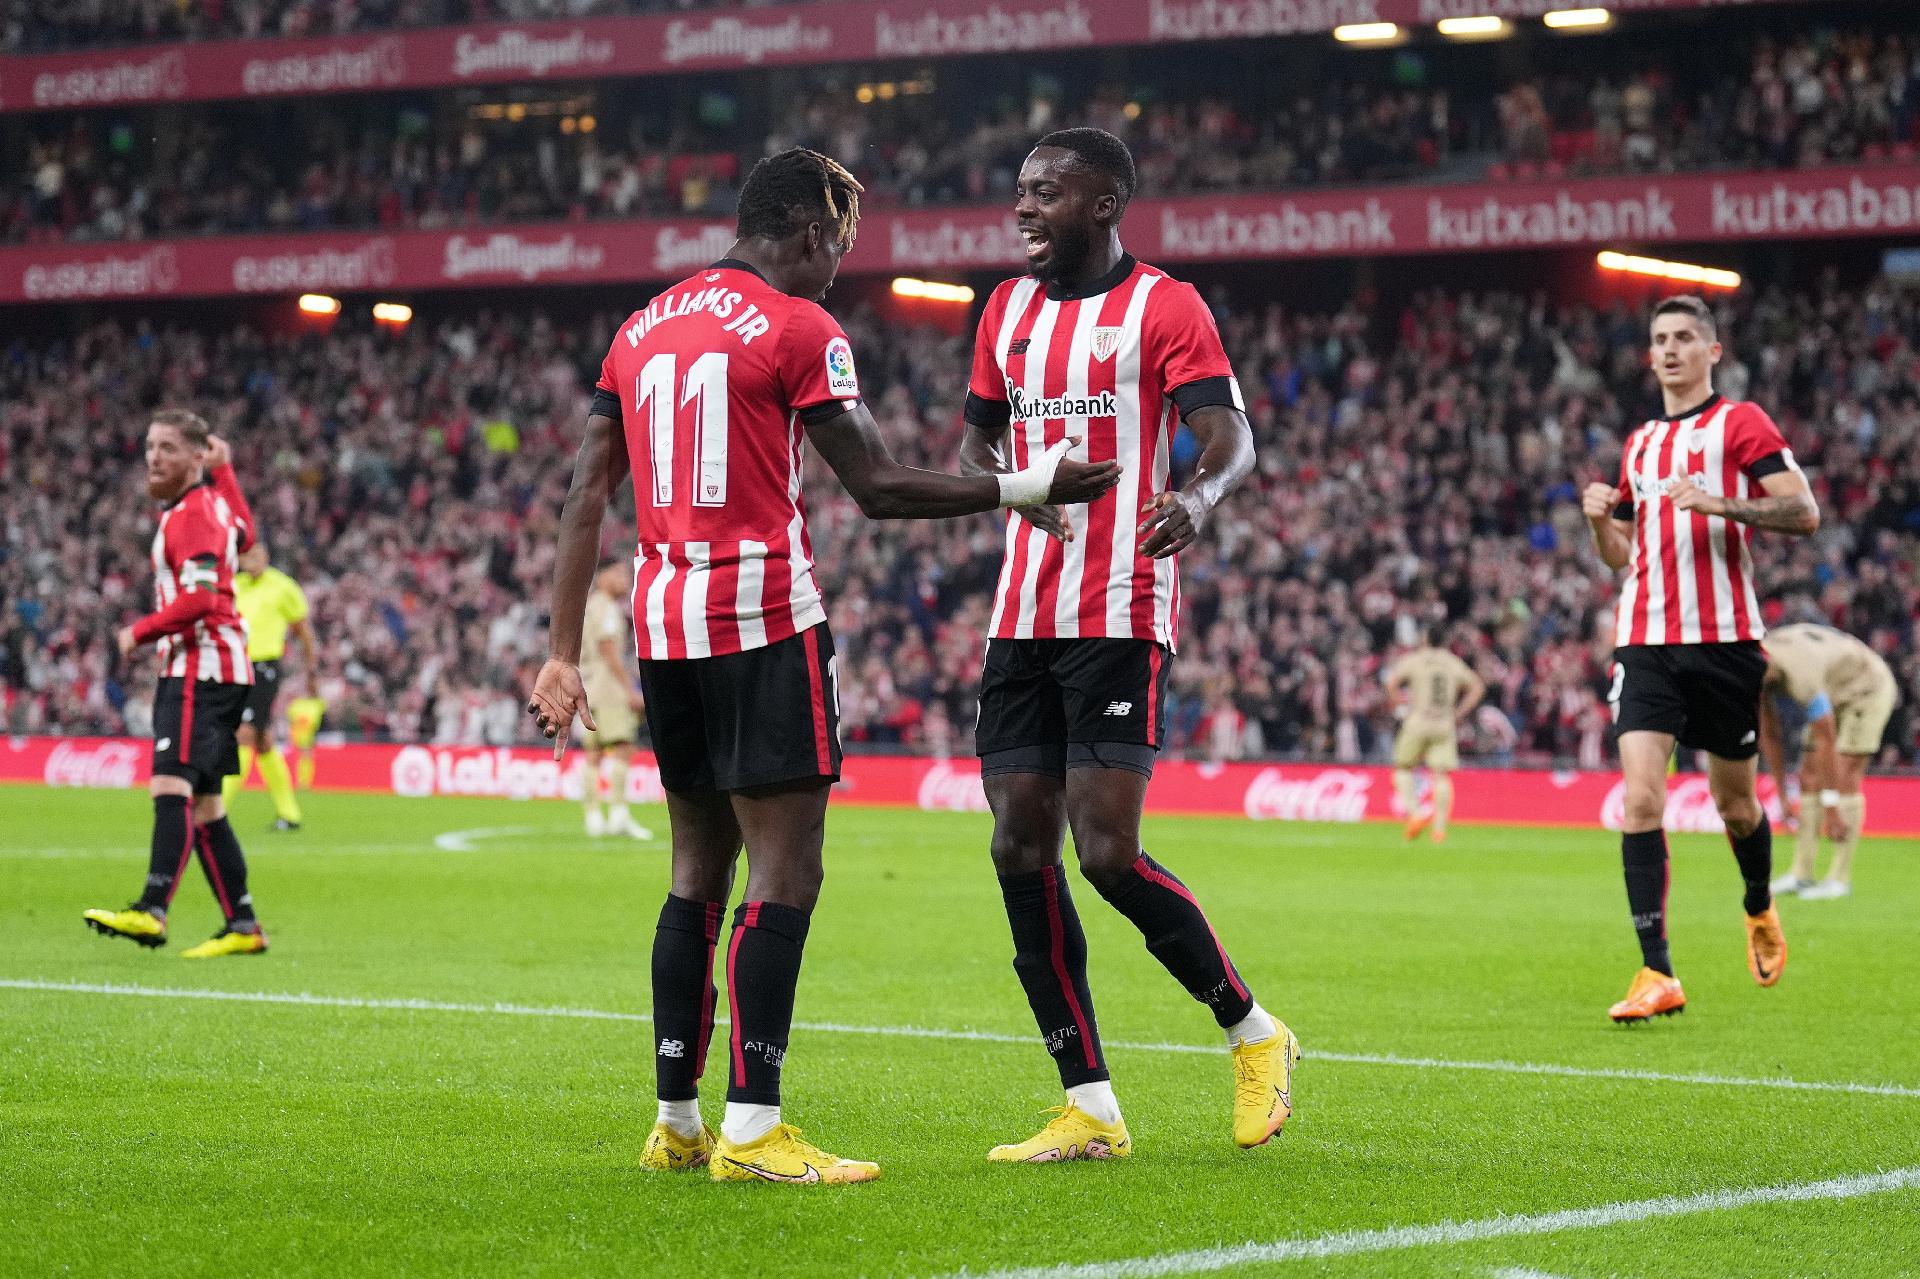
x=1181, y=338
x=1755, y=444
x=606, y=392
x=987, y=407
x=1623, y=510
x=296, y=602
x=815, y=362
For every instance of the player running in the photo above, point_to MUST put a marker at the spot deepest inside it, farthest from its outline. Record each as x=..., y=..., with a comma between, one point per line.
x=1688, y=663
x=1437, y=691
x=271, y=603
x=1848, y=694
x=1097, y=346
x=603, y=670
x=711, y=386
x=204, y=683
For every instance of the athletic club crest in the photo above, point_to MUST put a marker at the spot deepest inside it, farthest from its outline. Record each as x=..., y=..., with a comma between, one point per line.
x=1106, y=340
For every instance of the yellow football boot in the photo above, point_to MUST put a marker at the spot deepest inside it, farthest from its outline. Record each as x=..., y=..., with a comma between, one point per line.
x=1263, y=1086
x=1071, y=1134
x=228, y=942
x=782, y=1156
x=134, y=924
x=668, y=1151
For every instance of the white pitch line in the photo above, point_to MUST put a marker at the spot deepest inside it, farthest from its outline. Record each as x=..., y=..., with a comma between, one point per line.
x=1521, y=1272
x=944, y=1033
x=1349, y=1243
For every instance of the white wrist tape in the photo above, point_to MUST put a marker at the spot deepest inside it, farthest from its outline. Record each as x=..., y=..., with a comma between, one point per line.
x=1025, y=488
x=1830, y=798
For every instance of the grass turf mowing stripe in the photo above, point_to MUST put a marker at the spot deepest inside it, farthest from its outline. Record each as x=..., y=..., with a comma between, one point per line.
x=1349, y=1243
x=936, y=1032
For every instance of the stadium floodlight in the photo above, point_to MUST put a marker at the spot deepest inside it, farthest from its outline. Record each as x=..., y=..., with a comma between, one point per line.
x=1577, y=19
x=932, y=290
x=319, y=304
x=1366, y=32
x=392, y=312
x=1684, y=272
x=1484, y=27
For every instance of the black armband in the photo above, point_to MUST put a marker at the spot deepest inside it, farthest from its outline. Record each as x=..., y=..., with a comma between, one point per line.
x=1771, y=464
x=1624, y=512
x=990, y=416
x=825, y=411
x=605, y=403
x=1204, y=393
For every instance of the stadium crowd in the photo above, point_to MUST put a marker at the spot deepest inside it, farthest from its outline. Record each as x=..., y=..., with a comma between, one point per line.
x=1418, y=466
x=1818, y=96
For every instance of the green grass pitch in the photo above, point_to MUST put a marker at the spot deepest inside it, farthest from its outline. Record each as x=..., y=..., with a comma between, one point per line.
x=202, y=1136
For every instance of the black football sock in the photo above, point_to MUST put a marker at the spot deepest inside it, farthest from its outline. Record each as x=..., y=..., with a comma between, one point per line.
x=763, y=967
x=1179, y=936
x=1755, y=855
x=167, y=859
x=1644, y=854
x=683, y=994
x=1050, y=957
x=226, y=869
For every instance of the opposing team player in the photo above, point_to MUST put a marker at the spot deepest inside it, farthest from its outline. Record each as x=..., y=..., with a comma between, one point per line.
x=1688, y=663
x=612, y=691
x=1848, y=693
x=1095, y=344
x=204, y=682
x=715, y=387
x=1436, y=691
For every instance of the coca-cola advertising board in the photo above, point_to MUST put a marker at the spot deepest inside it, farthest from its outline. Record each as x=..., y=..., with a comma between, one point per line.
x=720, y=39
x=1849, y=201
x=1258, y=792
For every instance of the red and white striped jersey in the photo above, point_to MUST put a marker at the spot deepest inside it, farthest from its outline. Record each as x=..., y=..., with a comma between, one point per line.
x=196, y=551
x=1690, y=580
x=1111, y=364
x=713, y=381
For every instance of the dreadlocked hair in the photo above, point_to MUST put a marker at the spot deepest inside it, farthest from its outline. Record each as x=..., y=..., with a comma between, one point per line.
x=784, y=192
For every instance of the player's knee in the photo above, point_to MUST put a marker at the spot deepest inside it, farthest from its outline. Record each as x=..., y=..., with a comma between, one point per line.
x=246, y=736
x=208, y=808
x=1646, y=807
x=1106, y=857
x=1016, y=853
x=1740, y=813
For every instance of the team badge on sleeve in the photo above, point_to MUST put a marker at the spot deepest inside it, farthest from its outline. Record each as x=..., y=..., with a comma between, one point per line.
x=841, y=380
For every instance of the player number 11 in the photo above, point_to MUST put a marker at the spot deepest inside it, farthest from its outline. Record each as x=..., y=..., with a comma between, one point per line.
x=705, y=388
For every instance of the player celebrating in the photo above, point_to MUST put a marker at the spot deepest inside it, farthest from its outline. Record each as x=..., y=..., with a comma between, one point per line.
x=603, y=670
x=1688, y=662
x=204, y=682
x=271, y=604
x=711, y=385
x=1094, y=344
x=1848, y=693
x=1437, y=691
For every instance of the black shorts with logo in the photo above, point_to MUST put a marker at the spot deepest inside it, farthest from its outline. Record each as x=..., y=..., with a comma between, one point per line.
x=1705, y=695
x=193, y=726
x=1040, y=697
x=266, y=688
x=747, y=719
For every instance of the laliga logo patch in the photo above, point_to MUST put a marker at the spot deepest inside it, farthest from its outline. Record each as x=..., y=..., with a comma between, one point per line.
x=840, y=378
x=1106, y=340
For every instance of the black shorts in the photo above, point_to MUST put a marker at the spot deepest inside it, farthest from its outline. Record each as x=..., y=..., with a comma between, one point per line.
x=193, y=725
x=1705, y=695
x=747, y=719
x=1048, y=703
x=266, y=688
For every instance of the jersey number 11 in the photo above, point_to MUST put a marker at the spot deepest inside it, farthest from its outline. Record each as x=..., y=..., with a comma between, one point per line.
x=705, y=388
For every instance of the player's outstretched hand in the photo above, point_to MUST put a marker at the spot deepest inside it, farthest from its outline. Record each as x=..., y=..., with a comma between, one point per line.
x=558, y=695
x=124, y=641
x=218, y=454
x=1598, y=501
x=1082, y=481
x=1172, y=522
x=1047, y=519
x=1832, y=825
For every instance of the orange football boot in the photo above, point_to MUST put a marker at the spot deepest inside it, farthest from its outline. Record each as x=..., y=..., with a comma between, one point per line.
x=1417, y=823
x=1766, y=946
x=1653, y=994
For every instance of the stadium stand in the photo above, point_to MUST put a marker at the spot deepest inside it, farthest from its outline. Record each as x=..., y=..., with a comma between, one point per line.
x=1417, y=466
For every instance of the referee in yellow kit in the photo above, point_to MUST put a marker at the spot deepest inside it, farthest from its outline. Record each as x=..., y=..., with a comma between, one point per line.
x=272, y=604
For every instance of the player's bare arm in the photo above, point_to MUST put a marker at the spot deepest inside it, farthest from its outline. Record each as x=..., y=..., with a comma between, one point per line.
x=1787, y=507
x=1173, y=519
x=309, y=654
x=981, y=454
x=887, y=490
x=1612, y=538
x=1470, y=695
x=598, y=468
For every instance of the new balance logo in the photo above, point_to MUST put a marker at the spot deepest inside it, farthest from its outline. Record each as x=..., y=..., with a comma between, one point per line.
x=1118, y=708
x=1018, y=346
x=672, y=1048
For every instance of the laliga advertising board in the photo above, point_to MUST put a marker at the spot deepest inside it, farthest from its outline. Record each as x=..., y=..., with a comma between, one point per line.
x=1286, y=792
